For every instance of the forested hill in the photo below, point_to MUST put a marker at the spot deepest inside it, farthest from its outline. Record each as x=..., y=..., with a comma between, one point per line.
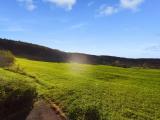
x=41, y=53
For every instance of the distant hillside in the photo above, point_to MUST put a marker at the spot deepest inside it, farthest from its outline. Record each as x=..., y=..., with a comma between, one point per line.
x=41, y=53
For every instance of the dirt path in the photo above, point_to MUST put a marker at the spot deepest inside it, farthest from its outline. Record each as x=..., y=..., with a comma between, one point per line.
x=42, y=111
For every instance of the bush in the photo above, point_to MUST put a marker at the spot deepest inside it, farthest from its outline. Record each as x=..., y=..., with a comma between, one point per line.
x=16, y=99
x=6, y=58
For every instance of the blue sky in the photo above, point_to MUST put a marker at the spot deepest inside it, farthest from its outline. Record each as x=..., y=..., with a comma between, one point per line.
x=126, y=28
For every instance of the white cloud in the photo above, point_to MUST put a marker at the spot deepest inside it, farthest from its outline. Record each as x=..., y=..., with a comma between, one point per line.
x=131, y=4
x=108, y=10
x=67, y=4
x=122, y=5
x=29, y=4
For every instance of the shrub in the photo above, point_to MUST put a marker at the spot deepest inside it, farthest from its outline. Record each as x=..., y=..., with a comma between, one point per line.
x=16, y=99
x=6, y=58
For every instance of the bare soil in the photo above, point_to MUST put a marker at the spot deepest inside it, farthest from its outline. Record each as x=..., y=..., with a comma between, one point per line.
x=42, y=111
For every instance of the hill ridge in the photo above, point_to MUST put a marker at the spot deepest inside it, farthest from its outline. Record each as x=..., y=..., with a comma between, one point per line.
x=42, y=53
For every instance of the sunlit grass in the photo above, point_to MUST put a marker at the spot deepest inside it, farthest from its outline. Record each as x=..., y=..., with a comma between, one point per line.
x=109, y=92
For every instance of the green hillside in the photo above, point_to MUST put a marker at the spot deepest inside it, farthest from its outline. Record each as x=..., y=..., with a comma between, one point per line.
x=93, y=92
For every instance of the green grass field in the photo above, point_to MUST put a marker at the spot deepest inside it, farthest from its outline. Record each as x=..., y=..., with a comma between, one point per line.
x=94, y=92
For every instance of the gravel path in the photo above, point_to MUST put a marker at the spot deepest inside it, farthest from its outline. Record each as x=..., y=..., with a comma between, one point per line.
x=42, y=111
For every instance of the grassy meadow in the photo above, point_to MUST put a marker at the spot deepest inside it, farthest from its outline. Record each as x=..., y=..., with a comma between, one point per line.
x=93, y=92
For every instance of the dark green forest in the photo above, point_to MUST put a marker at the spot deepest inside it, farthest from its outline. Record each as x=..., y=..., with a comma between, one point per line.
x=41, y=53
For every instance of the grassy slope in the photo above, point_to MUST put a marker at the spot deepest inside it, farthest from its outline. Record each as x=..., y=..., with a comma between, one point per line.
x=114, y=93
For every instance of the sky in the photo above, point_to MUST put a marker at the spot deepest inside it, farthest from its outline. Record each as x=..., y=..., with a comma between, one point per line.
x=124, y=28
